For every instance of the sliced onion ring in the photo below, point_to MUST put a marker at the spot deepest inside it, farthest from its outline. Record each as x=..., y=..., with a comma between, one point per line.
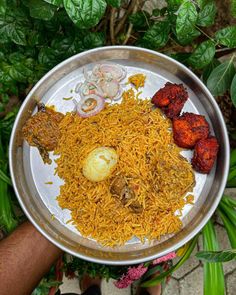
x=88, y=88
x=89, y=106
x=109, y=89
x=109, y=71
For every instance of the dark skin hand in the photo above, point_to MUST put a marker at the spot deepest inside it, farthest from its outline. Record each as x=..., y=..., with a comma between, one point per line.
x=25, y=257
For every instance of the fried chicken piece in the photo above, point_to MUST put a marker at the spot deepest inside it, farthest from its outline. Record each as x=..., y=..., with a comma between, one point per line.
x=205, y=153
x=171, y=99
x=188, y=129
x=42, y=130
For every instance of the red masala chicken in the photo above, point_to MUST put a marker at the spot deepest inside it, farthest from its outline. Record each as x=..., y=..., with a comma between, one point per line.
x=205, y=153
x=189, y=128
x=171, y=99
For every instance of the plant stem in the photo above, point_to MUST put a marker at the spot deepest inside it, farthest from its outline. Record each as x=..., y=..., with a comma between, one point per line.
x=112, y=22
x=131, y=25
x=125, y=16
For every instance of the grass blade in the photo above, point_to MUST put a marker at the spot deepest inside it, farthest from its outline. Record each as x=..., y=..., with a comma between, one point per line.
x=233, y=158
x=229, y=201
x=214, y=283
x=229, y=211
x=5, y=178
x=230, y=228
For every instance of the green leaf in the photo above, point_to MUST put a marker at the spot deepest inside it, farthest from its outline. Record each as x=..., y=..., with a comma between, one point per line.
x=114, y=3
x=181, y=57
x=229, y=211
x=202, y=3
x=217, y=256
x=209, y=68
x=233, y=90
x=157, y=36
x=231, y=202
x=206, y=16
x=185, y=23
x=64, y=47
x=202, y=55
x=48, y=57
x=232, y=154
x=227, y=36
x=94, y=39
x=220, y=78
x=7, y=218
x=233, y=8
x=173, y=4
x=230, y=228
x=3, y=7
x=85, y=14
x=58, y=3
x=35, y=38
x=5, y=178
x=14, y=26
x=213, y=272
x=40, y=9
x=139, y=19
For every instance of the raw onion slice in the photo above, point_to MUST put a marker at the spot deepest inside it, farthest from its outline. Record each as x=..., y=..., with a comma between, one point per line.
x=109, y=71
x=88, y=88
x=89, y=106
x=110, y=89
x=119, y=94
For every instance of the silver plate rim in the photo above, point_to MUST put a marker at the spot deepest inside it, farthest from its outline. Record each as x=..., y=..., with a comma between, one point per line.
x=179, y=244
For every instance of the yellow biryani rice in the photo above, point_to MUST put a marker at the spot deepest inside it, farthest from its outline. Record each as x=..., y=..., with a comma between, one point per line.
x=148, y=157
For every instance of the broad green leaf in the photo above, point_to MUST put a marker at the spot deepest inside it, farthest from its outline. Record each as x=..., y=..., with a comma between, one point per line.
x=40, y=9
x=217, y=256
x=64, y=47
x=185, y=23
x=202, y=3
x=85, y=14
x=227, y=36
x=209, y=68
x=181, y=57
x=156, y=36
x=139, y=19
x=14, y=26
x=213, y=272
x=114, y=3
x=207, y=15
x=220, y=78
x=233, y=151
x=94, y=39
x=48, y=57
x=55, y=2
x=202, y=55
x=232, y=174
x=233, y=8
x=17, y=69
x=174, y=4
x=3, y=7
x=35, y=38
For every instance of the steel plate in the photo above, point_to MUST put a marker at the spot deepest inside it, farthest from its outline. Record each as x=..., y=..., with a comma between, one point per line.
x=30, y=175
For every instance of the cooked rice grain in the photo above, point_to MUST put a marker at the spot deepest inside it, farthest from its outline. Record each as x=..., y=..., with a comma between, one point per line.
x=148, y=157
